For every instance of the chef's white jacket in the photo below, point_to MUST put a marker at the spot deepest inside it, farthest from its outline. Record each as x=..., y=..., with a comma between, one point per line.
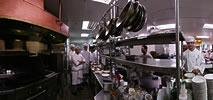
x=77, y=68
x=86, y=55
x=70, y=56
x=92, y=57
x=193, y=60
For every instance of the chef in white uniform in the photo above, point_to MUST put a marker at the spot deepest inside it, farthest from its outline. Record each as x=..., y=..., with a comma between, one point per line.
x=193, y=60
x=92, y=55
x=77, y=69
x=97, y=55
x=85, y=53
x=72, y=50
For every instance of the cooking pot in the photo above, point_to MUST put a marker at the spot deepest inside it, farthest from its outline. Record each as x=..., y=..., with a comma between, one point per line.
x=107, y=86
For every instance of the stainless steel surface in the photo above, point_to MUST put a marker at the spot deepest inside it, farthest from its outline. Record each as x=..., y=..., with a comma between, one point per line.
x=158, y=65
x=161, y=38
x=107, y=86
x=102, y=96
x=99, y=78
x=177, y=13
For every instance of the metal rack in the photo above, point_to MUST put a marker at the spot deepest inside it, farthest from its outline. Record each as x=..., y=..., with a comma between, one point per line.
x=165, y=38
x=168, y=67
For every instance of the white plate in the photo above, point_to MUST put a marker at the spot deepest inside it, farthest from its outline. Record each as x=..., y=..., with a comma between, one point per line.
x=198, y=79
x=98, y=72
x=209, y=76
x=105, y=75
x=189, y=75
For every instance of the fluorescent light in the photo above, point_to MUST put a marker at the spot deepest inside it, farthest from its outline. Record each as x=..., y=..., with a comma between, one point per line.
x=103, y=1
x=84, y=35
x=85, y=25
x=94, y=40
x=209, y=26
x=166, y=26
x=202, y=36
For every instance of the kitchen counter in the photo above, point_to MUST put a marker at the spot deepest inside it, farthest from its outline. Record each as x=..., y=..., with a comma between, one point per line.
x=101, y=95
x=99, y=78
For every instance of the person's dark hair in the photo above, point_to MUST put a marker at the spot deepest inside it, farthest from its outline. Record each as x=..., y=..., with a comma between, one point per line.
x=145, y=47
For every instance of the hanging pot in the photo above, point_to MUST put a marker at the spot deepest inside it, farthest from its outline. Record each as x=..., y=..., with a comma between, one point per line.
x=143, y=20
x=101, y=33
x=125, y=15
x=137, y=20
x=135, y=15
x=111, y=27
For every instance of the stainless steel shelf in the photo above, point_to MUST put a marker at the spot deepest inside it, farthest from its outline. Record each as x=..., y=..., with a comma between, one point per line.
x=158, y=65
x=167, y=66
x=103, y=96
x=158, y=38
x=163, y=38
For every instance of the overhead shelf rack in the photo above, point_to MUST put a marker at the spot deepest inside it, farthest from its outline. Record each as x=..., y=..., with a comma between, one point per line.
x=158, y=38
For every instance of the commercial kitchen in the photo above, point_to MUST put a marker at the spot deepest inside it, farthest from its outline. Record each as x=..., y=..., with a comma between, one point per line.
x=106, y=50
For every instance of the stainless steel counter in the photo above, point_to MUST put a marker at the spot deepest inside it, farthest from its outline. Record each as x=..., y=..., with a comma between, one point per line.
x=102, y=96
x=99, y=79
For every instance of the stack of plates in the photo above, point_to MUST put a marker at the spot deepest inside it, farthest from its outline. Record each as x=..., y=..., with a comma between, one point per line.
x=189, y=75
x=209, y=80
x=199, y=88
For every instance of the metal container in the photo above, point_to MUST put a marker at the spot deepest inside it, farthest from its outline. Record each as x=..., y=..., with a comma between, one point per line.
x=107, y=86
x=188, y=83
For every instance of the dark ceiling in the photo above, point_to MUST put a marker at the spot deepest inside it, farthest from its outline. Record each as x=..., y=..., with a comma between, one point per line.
x=193, y=14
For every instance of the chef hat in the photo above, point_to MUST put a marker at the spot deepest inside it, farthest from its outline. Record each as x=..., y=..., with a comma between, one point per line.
x=85, y=44
x=72, y=45
x=190, y=39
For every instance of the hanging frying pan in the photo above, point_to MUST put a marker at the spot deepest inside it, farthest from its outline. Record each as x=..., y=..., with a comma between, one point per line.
x=136, y=21
x=101, y=33
x=111, y=27
x=135, y=15
x=125, y=15
x=143, y=20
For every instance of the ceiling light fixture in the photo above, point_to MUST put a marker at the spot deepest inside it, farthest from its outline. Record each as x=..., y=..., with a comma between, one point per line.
x=103, y=1
x=85, y=25
x=84, y=34
x=209, y=26
x=202, y=37
x=166, y=26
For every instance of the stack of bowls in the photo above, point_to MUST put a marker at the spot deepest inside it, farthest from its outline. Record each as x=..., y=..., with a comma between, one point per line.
x=188, y=80
x=199, y=88
x=209, y=80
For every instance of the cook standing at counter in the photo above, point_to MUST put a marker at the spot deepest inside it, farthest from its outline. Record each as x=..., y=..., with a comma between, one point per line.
x=193, y=60
x=77, y=70
x=85, y=53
